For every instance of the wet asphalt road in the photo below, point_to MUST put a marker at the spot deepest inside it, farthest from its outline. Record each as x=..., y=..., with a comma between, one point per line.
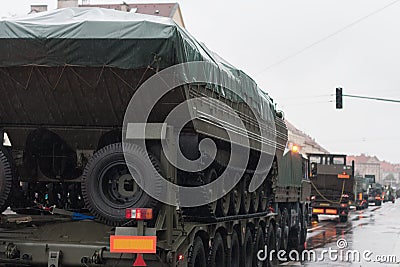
x=373, y=233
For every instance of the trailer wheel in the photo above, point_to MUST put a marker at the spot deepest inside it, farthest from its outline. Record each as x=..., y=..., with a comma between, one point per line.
x=197, y=256
x=259, y=244
x=343, y=218
x=303, y=234
x=314, y=217
x=6, y=180
x=108, y=187
x=285, y=229
x=247, y=249
x=295, y=237
x=234, y=252
x=218, y=253
x=270, y=241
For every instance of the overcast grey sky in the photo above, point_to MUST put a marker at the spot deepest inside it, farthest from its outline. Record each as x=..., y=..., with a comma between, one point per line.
x=363, y=59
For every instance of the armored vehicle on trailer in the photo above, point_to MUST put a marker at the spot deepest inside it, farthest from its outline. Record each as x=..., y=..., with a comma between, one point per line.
x=66, y=79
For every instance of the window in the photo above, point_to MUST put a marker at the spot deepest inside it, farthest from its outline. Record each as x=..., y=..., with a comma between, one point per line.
x=315, y=159
x=338, y=160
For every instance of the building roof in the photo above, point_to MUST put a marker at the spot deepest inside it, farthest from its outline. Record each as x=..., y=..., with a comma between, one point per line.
x=162, y=9
x=307, y=143
x=157, y=9
x=373, y=160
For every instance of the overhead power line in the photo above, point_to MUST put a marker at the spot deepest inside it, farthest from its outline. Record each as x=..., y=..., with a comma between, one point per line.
x=327, y=37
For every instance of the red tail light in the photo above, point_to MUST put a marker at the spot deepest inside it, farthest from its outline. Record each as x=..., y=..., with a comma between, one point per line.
x=139, y=214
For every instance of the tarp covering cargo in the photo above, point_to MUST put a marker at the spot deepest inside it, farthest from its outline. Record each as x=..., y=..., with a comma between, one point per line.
x=45, y=49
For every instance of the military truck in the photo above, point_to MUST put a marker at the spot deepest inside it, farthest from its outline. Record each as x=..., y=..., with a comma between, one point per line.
x=390, y=194
x=66, y=80
x=361, y=196
x=332, y=185
x=375, y=191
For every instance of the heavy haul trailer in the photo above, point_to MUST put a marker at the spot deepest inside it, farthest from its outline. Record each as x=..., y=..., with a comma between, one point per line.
x=66, y=79
x=332, y=185
x=173, y=239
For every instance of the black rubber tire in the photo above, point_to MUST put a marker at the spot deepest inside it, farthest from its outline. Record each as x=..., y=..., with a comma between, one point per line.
x=270, y=241
x=343, y=219
x=6, y=180
x=259, y=244
x=234, y=252
x=294, y=237
x=314, y=217
x=94, y=188
x=284, y=224
x=197, y=256
x=218, y=252
x=303, y=233
x=247, y=249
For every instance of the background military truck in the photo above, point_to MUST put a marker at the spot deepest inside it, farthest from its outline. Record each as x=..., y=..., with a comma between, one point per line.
x=66, y=79
x=375, y=190
x=361, y=194
x=390, y=194
x=332, y=185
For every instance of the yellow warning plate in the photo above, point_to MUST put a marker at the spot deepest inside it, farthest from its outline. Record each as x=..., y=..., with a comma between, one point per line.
x=133, y=244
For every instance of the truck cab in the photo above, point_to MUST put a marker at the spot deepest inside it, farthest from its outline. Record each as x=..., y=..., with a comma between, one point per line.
x=332, y=185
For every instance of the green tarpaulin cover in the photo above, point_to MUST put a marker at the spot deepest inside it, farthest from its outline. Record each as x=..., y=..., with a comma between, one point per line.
x=94, y=37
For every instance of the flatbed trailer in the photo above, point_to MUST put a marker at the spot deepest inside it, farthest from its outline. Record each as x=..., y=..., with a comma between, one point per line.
x=60, y=242
x=181, y=240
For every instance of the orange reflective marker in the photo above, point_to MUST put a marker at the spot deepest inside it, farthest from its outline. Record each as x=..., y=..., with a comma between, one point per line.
x=133, y=244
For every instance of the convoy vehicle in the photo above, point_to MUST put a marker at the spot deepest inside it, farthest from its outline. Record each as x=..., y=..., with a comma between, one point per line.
x=361, y=196
x=390, y=194
x=375, y=193
x=332, y=185
x=66, y=80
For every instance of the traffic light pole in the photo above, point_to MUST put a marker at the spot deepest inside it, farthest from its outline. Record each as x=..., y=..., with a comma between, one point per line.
x=340, y=95
x=374, y=98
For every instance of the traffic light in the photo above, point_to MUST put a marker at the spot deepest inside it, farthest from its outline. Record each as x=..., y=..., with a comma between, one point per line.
x=339, y=98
